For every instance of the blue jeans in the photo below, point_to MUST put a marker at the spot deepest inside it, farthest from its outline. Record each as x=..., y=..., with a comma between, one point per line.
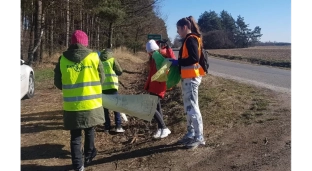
x=107, y=123
x=191, y=107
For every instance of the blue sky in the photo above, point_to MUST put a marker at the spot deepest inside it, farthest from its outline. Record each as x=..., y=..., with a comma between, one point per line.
x=273, y=16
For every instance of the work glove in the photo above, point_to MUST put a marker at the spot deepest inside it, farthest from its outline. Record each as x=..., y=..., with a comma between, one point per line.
x=174, y=62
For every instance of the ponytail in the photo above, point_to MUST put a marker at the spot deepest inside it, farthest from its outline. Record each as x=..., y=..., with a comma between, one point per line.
x=190, y=24
x=195, y=28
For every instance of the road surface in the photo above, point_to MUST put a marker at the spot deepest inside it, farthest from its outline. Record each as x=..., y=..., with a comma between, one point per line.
x=263, y=76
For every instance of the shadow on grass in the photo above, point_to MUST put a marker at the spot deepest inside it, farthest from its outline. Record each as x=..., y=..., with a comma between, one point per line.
x=138, y=153
x=34, y=167
x=65, y=154
x=42, y=116
x=44, y=151
x=42, y=121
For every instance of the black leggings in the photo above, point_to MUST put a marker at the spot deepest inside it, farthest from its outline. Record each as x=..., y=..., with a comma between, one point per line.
x=75, y=145
x=159, y=115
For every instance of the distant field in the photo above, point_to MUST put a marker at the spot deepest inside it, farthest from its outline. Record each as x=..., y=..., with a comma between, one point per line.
x=279, y=56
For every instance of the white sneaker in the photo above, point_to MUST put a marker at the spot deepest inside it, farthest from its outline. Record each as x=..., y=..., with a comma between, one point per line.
x=158, y=133
x=119, y=130
x=165, y=132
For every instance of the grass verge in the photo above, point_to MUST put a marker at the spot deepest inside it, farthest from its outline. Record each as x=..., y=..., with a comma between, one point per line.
x=223, y=103
x=283, y=64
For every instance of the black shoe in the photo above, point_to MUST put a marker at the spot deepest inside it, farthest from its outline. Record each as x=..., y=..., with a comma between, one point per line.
x=81, y=169
x=107, y=129
x=88, y=160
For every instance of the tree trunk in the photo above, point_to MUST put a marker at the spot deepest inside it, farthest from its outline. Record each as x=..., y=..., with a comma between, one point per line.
x=86, y=24
x=38, y=28
x=136, y=41
x=42, y=45
x=81, y=19
x=110, y=35
x=67, y=24
x=31, y=36
x=91, y=32
x=73, y=24
x=22, y=35
x=36, y=46
x=51, y=44
x=98, y=37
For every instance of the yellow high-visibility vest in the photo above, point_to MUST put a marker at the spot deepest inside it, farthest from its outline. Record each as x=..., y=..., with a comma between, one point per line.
x=111, y=79
x=81, y=84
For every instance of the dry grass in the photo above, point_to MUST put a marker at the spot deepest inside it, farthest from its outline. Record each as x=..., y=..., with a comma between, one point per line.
x=226, y=101
x=274, y=53
x=129, y=61
x=266, y=55
x=122, y=54
x=45, y=145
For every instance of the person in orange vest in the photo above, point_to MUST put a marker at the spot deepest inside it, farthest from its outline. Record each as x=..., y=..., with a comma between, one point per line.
x=191, y=76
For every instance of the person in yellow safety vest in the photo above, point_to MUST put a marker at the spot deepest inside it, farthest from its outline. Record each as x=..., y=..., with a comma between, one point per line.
x=191, y=76
x=79, y=74
x=112, y=70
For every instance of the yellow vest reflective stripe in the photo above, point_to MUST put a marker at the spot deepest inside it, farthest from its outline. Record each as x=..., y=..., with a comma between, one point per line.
x=81, y=83
x=194, y=70
x=111, y=79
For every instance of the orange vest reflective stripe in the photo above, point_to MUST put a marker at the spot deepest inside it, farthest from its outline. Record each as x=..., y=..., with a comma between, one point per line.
x=194, y=70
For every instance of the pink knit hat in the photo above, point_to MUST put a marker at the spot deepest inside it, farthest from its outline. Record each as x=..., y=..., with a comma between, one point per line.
x=79, y=37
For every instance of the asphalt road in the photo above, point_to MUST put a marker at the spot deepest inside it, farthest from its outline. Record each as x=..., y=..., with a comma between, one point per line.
x=263, y=76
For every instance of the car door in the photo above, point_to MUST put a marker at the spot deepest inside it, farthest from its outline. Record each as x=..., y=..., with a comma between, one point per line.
x=24, y=80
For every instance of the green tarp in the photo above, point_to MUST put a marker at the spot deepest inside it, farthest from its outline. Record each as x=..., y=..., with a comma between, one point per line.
x=165, y=71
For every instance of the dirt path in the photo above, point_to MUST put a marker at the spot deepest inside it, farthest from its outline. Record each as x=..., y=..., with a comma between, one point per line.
x=263, y=143
x=242, y=147
x=253, y=147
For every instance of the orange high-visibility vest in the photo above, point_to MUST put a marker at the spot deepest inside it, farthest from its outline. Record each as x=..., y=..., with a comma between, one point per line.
x=194, y=70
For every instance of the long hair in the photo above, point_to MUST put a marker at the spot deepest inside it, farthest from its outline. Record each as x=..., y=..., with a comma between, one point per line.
x=191, y=24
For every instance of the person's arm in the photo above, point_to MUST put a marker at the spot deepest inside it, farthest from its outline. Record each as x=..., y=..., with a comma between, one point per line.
x=146, y=86
x=117, y=68
x=192, y=48
x=170, y=53
x=101, y=72
x=58, y=75
x=152, y=68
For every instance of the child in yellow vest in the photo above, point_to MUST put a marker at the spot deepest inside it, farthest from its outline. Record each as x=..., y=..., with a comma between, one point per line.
x=112, y=70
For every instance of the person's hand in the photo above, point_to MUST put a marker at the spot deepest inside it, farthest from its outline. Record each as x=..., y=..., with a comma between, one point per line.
x=174, y=62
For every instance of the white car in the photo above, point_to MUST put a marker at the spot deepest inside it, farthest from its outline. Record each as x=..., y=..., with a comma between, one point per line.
x=27, y=81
